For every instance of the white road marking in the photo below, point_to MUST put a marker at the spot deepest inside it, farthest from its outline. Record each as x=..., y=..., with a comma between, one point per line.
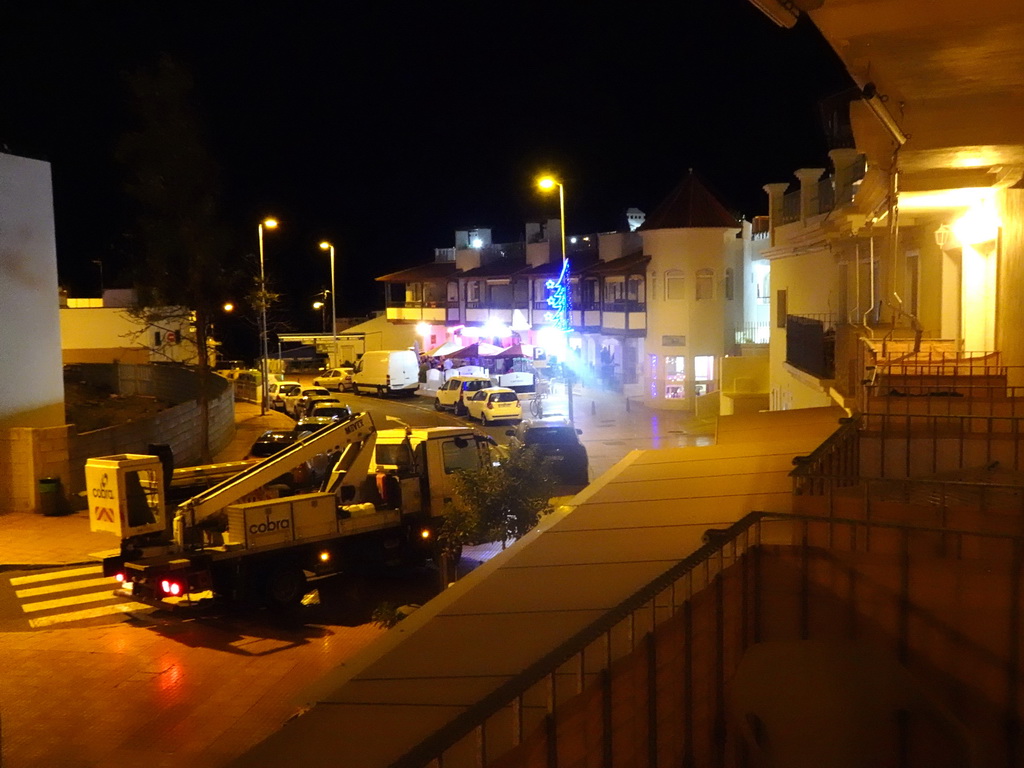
x=54, y=588
x=47, y=605
x=90, y=613
x=36, y=578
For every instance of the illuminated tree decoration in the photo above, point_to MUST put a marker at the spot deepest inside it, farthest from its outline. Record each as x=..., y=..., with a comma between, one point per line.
x=558, y=299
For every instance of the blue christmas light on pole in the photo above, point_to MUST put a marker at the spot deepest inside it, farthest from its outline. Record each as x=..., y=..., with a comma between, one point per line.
x=558, y=300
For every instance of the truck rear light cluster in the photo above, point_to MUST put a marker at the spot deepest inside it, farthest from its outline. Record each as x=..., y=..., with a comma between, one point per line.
x=119, y=577
x=172, y=587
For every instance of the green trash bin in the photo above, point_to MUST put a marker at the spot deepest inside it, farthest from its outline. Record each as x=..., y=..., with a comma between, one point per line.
x=50, y=496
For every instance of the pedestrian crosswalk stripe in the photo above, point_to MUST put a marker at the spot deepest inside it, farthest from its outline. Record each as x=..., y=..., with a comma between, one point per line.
x=51, y=589
x=53, y=575
x=89, y=613
x=62, y=602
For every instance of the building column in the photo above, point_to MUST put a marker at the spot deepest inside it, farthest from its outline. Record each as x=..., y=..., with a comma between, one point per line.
x=808, y=178
x=845, y=162
x=775, y=192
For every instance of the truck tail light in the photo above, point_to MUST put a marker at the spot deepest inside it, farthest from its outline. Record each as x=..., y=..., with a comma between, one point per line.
x=172, y=587
x=119, y=577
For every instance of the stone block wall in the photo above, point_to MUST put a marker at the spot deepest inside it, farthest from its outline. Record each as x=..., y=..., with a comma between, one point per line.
x=29, y=454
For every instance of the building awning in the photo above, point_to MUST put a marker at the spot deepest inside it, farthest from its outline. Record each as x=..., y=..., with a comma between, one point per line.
x=504, y=268
x=436, y=270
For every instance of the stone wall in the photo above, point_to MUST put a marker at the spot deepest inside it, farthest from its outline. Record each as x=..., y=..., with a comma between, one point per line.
x=28, y=454
x=178, y=426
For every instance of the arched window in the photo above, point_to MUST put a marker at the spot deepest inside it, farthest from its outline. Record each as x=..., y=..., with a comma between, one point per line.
x=705, y=284
x=675, y=285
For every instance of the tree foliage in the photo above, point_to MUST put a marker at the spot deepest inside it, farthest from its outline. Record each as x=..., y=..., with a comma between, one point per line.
x=498, y=503
x=170, y=174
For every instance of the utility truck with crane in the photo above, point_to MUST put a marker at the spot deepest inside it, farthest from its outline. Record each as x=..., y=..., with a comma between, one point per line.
x=382, y=502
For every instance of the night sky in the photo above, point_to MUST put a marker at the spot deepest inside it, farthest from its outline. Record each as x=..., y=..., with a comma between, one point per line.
x=386, y=126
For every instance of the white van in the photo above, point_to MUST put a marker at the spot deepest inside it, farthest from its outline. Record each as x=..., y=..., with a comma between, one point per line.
x=387, y=371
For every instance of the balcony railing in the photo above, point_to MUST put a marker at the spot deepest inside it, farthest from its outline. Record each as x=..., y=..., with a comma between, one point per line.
x=648, y=678
x=790, y=207
x=811, y=344
x=753, y=333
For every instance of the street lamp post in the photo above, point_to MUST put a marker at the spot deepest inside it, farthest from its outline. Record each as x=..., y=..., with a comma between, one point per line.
x=264, y=372
x=334, y=306
x=548, y=183
x=323, y=316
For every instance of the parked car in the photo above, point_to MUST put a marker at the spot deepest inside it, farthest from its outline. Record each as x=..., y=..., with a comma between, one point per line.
x=494, y=404
x=295, y=405
x=331, y=409
x=307, y=402
x=453, y=393
x=557, y=441
x=275, y=393
x=305, y=476
x=310, y=424
x=338, y=379
x=270, y=442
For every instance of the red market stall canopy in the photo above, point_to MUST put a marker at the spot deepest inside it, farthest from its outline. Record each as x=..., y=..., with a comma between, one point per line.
x=479, y=349
x=445, y=349
x=516, y=350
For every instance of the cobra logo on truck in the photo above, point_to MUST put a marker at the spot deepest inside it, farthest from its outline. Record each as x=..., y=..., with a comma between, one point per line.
x=269, y=524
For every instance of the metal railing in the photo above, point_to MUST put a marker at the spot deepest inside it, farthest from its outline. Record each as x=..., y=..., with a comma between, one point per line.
x=607, y=682
x=790, y=207
x=811, y=344
x=753, y=333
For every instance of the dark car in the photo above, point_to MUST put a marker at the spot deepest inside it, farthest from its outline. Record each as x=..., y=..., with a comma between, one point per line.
x=270, y=442
x=557, y=441
x=302, y=477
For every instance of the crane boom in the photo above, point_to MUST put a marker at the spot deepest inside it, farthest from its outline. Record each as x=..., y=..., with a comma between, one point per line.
x=333, y=439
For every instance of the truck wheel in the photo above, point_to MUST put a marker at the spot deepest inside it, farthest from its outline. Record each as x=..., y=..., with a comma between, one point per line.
x=285, y=587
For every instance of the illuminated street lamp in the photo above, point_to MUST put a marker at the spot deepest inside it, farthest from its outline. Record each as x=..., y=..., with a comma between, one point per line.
x=547, y=183
x=334, y=308
x=264, y=372
x=319, y=305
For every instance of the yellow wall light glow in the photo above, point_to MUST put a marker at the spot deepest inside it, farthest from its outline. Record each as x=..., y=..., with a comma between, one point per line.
x=979, y=225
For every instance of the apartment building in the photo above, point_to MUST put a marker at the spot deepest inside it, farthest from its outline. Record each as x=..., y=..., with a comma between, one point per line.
x=653, y=309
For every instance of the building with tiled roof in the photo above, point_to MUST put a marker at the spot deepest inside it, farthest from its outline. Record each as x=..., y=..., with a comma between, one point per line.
x=653, y=309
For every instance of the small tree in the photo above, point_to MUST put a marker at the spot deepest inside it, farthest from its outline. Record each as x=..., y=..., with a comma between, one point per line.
x=503, y=502
x=171, y=175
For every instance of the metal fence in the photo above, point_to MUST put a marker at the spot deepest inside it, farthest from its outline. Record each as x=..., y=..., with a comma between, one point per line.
x=645, y=685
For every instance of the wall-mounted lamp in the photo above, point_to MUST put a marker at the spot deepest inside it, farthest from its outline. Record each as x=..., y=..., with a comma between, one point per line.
x=876, y=104
x=942, y=235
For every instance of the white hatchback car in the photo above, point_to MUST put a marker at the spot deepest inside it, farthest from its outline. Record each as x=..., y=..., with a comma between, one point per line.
x=494, y=404
x=295, y=404
x=276, y=391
